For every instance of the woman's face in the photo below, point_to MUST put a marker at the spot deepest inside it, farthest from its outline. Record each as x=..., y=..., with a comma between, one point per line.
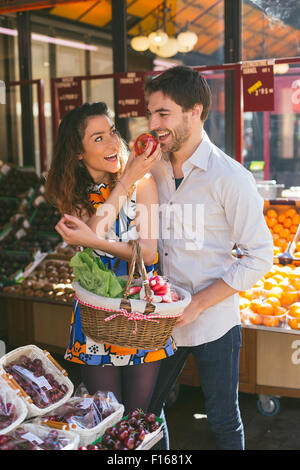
x=101, y=148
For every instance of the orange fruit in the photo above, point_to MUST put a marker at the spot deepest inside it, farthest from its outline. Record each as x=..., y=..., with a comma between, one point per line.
x=294, y=323
x=274, y=301
x=295, y=282
x=293, y=229
x=277, y=228
x=270, y=283
x=265, y=308
x=281, y=218
x=287, y=222
x=295, y=309
x=297, y=246
x=296, y=219
x=272, y=213
x=288, y=298
x=271, y=321
x=279, y=310
x=244, y=303
x=255, y=304
x=291, y=212
x=271, y=222
x=297, y=254
x=256, y=319
x=275, y=292
x=278, y=278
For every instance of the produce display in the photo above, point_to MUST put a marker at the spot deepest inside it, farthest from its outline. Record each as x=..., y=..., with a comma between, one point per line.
x=45, y=218
x=283, y=226
x=17, y=181
x=51, y=279
x=34, y=437
x=10, y=264
x=274, y=300
x=31, y=241
x=127, y=434
x=8, y=207
x=40, y=385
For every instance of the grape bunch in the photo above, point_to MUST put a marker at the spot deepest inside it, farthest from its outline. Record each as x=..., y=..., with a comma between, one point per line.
x=26, y=373
x=128, y=433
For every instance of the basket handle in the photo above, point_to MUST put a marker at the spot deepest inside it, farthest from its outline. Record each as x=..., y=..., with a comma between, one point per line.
x=55, y=363
x=137, y=259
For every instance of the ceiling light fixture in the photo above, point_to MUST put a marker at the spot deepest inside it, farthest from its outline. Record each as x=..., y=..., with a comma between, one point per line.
x=160, y=43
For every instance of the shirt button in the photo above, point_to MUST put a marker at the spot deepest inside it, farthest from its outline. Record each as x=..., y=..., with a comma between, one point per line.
x=166, y=254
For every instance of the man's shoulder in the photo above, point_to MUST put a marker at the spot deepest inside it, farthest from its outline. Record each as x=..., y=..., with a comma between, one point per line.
x=225, y=167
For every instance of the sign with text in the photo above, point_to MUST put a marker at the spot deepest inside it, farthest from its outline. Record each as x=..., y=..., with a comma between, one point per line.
x=9, y=6
x=69, y=93
x=258, y=86
x=131, y=100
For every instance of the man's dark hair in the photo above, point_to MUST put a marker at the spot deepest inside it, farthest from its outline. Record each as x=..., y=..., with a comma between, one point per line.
x=183, y=85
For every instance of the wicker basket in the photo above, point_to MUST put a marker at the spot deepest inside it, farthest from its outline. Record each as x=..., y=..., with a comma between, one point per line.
x=130, y=323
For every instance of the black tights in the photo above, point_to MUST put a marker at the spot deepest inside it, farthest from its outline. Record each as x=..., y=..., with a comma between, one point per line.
x=132, y=385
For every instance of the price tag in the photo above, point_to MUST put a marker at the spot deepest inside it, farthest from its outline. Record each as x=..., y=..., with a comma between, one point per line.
x=29, y=436
x=5, y=169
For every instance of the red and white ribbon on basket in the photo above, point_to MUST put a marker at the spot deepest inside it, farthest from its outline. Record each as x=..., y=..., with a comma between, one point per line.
x=134, y=316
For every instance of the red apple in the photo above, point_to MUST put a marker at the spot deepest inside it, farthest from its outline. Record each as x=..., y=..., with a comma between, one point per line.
x=144, y=140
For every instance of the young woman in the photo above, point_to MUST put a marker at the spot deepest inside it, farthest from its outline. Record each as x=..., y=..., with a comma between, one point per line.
x=88, y=177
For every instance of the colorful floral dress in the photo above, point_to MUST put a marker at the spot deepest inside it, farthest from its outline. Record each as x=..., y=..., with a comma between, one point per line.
x=81, y=348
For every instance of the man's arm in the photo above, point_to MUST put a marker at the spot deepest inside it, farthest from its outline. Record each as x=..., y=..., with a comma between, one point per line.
x=243, y=208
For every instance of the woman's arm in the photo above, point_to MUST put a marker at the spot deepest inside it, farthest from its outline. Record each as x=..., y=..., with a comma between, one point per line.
x=75, y=232
x=136, y=168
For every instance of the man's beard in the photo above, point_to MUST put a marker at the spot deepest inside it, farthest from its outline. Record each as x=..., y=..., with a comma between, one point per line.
x=180, y=135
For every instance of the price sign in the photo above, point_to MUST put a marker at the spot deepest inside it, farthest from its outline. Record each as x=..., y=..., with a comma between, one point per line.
x=69, y=95
x=258, y=86
x=131, y=100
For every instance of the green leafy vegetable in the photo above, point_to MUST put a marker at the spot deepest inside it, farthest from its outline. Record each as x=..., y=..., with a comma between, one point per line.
x=92, y=275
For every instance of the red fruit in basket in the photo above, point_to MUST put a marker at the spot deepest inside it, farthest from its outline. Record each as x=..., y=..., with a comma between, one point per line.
x=129, y=442
x=123, y=434
x=133, y=414
x=144, y=140
x=154, y=426
x=82, y=448
x=150, y=418
x=3, y=439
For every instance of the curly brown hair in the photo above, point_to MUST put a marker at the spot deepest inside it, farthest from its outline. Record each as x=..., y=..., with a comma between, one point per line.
x=68, y=179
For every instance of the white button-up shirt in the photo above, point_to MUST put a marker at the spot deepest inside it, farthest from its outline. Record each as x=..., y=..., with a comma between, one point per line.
x=216, y=206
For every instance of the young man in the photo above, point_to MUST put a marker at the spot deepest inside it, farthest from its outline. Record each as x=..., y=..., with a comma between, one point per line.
x=214, y=204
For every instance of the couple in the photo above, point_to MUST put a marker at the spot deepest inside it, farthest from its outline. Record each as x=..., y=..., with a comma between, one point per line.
x=188, y=170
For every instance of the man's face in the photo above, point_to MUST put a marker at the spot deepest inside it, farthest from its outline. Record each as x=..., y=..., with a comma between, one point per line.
x=168, y=119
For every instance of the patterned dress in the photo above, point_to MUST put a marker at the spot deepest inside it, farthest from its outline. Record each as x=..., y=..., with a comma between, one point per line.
x=81, y=348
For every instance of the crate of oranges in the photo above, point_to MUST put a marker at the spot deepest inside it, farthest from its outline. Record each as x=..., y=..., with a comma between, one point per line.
x=269, y=301
x=282, y=218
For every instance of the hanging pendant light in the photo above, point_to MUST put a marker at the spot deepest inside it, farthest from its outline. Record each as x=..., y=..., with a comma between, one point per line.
x=187, y=41
x=167, y=50
x=158, y=38
x=140, y=43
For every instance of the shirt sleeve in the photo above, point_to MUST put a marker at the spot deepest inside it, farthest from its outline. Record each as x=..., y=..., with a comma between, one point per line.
x=244, y=213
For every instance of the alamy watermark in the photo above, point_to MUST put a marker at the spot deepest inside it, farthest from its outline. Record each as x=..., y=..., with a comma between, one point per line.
x=164, y=221
x=2, y=92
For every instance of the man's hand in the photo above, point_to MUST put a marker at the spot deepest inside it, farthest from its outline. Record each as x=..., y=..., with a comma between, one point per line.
x=205, y=298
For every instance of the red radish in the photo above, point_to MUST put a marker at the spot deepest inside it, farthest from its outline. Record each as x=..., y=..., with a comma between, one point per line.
x=144, y=140
x=134, y=290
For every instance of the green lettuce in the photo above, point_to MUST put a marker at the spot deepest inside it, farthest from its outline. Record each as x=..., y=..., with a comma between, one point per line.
x=92, y=275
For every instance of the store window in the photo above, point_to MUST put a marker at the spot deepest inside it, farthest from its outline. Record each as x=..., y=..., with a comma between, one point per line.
x=271, y=30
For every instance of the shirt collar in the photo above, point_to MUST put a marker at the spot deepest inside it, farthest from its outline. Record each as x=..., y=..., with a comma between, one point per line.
x=201, y=155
